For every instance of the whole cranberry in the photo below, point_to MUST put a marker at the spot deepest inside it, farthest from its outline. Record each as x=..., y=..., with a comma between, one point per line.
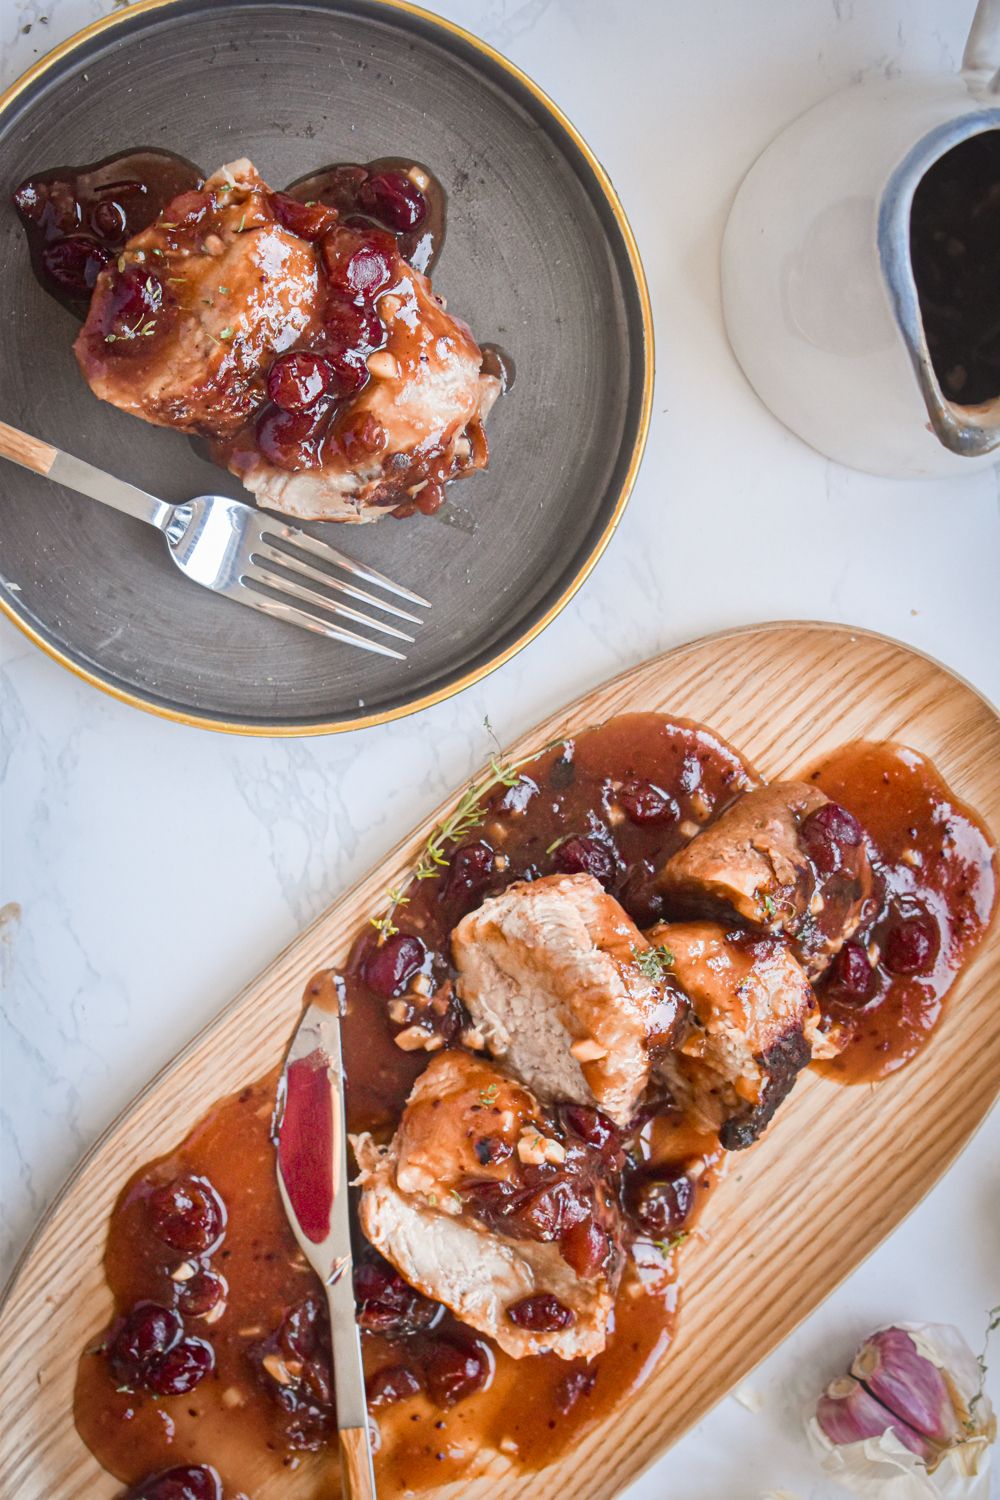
x=388, y=967
x=305, y=1329
x=388, y=1304
x=350, y=373
x=107, y=219
x=188, y=1214
x=360, y=264
x=351, y=328
x=53, y=206
x=181, y=1368
x=581, y=855
x=148, y=1332
x=850, y=978
x=310, y=221
x=596, y=1129
x=292, y=439
x=391, y=1383
x=393, y=199
x=645, y=802
x=585, y=1247
x=201, y=1293
x=826, y=832
x=470, y=871
x=911, y=943
x=134, y=303
x=541, y=1313
x=296, y=381
x=660, y=1205
x=454, y=1369
x=74, y=263
x=185, y=1482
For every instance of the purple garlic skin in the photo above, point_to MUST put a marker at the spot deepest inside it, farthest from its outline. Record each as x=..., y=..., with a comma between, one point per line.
x=908, y=1385
x=848, y=1413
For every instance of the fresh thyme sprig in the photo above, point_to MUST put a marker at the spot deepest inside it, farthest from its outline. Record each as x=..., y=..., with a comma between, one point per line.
x=653, y=962
x=468, y=814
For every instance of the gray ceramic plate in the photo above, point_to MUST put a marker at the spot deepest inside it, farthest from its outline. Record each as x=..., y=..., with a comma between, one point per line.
x=538, y=257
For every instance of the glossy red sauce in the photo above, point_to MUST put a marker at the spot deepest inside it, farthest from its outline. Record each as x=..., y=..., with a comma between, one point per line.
x=935, y=862
x=305, y=1144
x=674, y=777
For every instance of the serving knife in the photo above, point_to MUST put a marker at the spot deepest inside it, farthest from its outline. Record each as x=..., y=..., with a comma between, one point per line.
x=312, y=1179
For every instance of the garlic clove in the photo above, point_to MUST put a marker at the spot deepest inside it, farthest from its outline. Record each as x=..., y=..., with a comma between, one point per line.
x=861, y=1439
x=908, y=1385
x=847, y=1413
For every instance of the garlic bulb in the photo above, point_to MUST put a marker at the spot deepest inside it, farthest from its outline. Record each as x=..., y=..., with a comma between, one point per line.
x=911, y=1421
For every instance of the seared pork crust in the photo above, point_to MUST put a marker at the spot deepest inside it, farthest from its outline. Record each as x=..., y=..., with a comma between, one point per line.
x=751, y=1028
x=784, y=859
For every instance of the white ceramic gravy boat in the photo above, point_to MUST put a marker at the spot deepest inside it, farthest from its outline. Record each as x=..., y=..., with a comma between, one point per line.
x=819, y=295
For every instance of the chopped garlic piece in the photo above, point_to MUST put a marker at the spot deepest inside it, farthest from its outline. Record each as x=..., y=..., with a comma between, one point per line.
x=587, y=1050
x=413, y=1038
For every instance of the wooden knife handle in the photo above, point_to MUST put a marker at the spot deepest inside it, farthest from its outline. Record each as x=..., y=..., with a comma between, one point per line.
x=26, y=450
x=355, y=1464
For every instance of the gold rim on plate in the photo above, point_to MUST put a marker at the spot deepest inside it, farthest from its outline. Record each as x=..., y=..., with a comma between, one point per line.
x=365, y=721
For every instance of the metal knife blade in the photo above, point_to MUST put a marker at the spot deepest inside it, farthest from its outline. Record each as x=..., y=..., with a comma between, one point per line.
x=312, y=1178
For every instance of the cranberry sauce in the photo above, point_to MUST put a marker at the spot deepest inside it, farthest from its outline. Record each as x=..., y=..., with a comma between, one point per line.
x=954, y=243
x=389, y=193
x=305, y=1144
x=217, y=1355
x=77, y=219
x=936, y=885
x=617, y=800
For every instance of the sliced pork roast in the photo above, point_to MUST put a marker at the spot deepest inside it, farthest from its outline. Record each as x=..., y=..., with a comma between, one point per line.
x=554, y=975
x=327, y=373
x=751, y=1027
x=499, y=1208
x=417, y=422
x=182, y=330
x=783, y=858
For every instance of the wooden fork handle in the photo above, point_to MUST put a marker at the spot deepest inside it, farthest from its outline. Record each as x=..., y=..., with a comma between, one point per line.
x=25, y=450
x=355, y=1464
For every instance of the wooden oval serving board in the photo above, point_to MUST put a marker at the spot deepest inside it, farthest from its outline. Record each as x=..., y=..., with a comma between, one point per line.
x=836, y=1172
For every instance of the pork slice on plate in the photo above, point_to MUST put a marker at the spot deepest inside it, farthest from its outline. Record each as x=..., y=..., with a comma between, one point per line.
x=751, y=1027
x=416, y=421
x=499, y=1208
x=182, y=330
x=324, y=370
x=554, y=973
x=783, y=858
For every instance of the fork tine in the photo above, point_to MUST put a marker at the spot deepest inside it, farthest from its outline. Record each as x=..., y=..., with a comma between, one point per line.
x=296, y=565
x=323, y=550
x=293, y=615
x=313, y=596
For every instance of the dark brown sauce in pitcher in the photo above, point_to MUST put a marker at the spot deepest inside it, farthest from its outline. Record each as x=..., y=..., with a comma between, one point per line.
x=955, y=251
x=200, y=1233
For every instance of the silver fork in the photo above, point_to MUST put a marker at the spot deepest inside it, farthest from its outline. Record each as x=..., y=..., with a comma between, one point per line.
x=234, y=550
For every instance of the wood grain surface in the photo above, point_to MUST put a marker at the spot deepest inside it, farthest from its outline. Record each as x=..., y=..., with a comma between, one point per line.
x=832, y=1177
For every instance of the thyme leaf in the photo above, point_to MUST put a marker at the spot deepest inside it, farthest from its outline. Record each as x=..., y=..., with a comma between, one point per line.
x=653, y=962
x=468, y=814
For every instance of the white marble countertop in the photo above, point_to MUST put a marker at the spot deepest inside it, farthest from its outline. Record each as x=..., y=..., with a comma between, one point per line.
x=135, y=923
